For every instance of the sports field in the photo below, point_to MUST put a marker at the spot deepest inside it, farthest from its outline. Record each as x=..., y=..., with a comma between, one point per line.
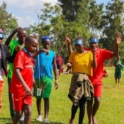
x=111, y=110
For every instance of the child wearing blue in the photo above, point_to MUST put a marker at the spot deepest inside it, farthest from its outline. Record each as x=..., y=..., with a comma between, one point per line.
x=45, y=64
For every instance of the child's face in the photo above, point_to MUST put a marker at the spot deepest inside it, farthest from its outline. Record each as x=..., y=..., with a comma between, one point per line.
x=32, y=46
x=79, y=48
x=46, y=44
x=1, y=40
x=93, y=45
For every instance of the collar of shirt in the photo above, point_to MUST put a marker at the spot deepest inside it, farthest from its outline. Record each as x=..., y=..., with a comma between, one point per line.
x=25, y=50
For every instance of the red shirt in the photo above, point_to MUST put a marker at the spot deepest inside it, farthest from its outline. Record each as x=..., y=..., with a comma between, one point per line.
x=25, y=63
x=59, y=60
x=101, y=55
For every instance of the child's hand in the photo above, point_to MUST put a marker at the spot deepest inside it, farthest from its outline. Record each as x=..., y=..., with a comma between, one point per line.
x=56, y=84
x=67, y=40
x=34, y=83
x=17, y=48
x=69, y=64
x=45, y=50
x=28, y=91
x=19, y=29
x=118, y=38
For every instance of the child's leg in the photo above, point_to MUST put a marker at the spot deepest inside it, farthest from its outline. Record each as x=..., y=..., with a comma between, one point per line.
x=12, y=113
x=90, y=111
x=96, y=107
x=73, y=112
x=115, y=81
x=1, y=89
x=17, y=117
x=82, y=110
x=38, y=103
x=27, y=112
x=46, y=107
x=118, y=80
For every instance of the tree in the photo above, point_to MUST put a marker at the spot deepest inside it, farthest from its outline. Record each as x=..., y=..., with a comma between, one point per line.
x=95, y=12
x=112, y=23
x=7, y=21
x=76, y=15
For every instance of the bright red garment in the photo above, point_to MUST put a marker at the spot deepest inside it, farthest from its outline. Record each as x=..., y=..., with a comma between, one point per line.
x=59, y=60
x=1, y=89
x=101, y=55
x=24, y=62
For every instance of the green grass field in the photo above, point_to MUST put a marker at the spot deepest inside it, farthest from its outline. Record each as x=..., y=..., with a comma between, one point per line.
x=111, y=110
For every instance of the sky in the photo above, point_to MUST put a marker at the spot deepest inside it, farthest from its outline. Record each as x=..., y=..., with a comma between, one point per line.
x=26, y=11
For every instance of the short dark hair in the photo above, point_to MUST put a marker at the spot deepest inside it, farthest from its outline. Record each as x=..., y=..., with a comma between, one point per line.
x=29, y=38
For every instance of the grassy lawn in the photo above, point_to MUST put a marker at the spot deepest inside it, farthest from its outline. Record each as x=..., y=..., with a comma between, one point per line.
x=110, y=112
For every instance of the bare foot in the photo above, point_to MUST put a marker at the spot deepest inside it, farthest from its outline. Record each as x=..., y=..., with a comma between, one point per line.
x=94, y=121
x=71, y=121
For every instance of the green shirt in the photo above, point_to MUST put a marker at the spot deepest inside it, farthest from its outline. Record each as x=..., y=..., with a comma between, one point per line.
x=12, y=46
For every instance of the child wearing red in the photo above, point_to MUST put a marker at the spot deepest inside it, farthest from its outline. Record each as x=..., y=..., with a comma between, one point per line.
x=22, y=81
x=101, y=55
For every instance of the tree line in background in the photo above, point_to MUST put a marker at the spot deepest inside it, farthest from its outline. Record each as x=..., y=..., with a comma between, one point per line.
x=74, y=18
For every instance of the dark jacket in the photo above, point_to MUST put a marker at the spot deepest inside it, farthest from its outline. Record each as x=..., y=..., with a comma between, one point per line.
x=5, y=56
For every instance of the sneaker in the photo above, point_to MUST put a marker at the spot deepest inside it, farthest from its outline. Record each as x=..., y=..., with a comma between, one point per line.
x=46, y=121
x=22, y=118
x=39, y=118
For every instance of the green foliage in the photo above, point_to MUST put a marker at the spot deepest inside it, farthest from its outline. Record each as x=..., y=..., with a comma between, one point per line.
x=112, y=22
x=7, y=21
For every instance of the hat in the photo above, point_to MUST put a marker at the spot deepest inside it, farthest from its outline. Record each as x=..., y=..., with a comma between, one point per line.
x=1, y=34
x=46, y=38
x=95, y=40
x=79, y=42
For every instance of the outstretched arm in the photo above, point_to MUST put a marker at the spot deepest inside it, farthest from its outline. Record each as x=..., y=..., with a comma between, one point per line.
x=118, y=41
x=68, y=41
x=11, y=36
x=38, y=52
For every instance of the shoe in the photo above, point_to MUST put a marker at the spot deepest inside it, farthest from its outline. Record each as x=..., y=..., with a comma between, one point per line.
x=46, y=121
x=39, y=118
x=22, y=118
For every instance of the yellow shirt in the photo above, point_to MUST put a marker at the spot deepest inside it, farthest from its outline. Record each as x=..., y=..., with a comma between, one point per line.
x=82, y=62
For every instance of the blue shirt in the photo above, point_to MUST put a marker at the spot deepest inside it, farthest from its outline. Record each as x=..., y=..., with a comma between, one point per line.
x=44, y=65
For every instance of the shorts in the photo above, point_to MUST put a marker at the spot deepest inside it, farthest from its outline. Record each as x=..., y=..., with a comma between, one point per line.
x=97, y=90
x=20, y=100
x=117, y=74
x=45, y=83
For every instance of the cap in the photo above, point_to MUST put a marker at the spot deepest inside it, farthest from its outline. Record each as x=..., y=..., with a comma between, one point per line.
x=79, y=42
x=46, y=38
x=95, y=40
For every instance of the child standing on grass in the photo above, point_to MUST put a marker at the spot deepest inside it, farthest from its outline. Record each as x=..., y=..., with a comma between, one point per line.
x=22, y=81
x=45, y=64
x=81, y=62
x=4, y=56
x=101, y=55
x=14, y=46
x=118, y=68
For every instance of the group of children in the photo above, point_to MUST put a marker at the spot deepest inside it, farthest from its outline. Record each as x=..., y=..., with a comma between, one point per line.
x=31, y=67
x=28, y=67
x=83, y=63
